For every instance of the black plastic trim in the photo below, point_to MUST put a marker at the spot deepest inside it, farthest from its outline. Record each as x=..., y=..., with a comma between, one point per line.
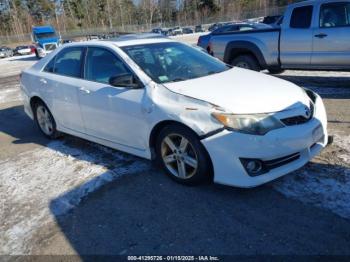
x=235, y=48
x=211, y=133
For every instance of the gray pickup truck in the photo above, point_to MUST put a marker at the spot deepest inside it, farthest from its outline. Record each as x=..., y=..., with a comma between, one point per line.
x=312, y=35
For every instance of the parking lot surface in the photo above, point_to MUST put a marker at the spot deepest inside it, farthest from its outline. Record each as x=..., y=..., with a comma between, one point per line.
x=71, y=196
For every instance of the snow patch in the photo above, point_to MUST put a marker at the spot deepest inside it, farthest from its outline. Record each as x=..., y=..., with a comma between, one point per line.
x=344, y=143
x=12, y=94
x=40, y=184
x=323, y=185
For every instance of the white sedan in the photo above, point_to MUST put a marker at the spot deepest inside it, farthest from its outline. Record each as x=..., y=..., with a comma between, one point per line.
x=164, y=100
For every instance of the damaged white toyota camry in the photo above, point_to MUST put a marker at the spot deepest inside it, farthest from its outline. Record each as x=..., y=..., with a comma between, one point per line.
x=164, y=100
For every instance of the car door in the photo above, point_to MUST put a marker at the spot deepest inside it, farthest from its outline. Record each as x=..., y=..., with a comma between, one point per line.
x=296, y=38
x=331, y=42
x=62, y=78
x=112, y=113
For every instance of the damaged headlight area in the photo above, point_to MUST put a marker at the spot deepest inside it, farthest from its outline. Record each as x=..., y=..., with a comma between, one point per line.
x=255, y=124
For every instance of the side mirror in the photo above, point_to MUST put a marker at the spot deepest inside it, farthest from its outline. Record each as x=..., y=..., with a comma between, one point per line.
x=125, y=80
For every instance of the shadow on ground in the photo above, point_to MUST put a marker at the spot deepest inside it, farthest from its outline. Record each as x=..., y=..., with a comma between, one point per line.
x=326, y=86
x=149, y=214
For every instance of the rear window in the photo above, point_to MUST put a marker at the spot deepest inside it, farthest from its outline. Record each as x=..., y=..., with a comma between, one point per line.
x=68, y=62
x=335, y=14
x=301, y=17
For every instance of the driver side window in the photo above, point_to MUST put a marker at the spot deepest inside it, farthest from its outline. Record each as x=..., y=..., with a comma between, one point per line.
x=101, y=65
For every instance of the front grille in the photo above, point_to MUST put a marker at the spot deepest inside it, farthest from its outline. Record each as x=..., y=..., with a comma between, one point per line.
x=271, y=164
x=50, y=47
x=298, y=120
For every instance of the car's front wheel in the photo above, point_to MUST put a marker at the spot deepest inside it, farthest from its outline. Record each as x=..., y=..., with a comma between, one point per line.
x=45, y=120
x=182, y=155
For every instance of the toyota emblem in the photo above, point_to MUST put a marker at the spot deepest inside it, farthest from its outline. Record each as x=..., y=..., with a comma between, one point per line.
x=307, y=112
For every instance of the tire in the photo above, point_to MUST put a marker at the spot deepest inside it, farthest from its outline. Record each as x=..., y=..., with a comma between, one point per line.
x=37, y=54
x=276, y=71
x=247, y=62
x=189, y=165
x=45, y=121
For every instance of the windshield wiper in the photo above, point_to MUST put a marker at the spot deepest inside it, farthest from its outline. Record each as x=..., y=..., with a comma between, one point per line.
x=178, y=79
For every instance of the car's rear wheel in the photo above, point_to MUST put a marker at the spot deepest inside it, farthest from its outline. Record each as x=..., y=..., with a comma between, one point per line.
x=247, y=62
x=45, y=120
x=182, y=155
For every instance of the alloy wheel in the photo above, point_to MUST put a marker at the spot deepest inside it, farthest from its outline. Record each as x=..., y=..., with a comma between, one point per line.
x=179, y=156
x=44, y=120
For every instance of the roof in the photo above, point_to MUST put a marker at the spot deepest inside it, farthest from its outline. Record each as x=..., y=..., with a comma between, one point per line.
x=111, y=43
x=138, y=36
x=142, y=41
x=122, y=43
x=310, y=2
x=43, y=29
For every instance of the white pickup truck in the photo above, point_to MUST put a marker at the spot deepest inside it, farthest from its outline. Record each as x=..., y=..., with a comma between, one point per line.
x=312, y=35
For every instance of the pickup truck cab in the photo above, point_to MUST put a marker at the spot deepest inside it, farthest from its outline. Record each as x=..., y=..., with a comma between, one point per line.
x=312, y=35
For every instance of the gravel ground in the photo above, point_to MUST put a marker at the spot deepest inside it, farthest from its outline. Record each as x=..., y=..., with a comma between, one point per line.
x=75, y=197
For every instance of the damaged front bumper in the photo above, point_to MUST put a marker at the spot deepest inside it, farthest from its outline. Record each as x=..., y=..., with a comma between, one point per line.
x=282, y=150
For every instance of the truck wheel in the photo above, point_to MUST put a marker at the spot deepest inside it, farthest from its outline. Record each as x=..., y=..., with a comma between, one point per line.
x=37, y=54
x=247, y=62
x=276, y=71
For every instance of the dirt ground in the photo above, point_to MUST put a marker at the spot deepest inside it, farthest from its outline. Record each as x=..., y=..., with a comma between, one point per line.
x=71, y=196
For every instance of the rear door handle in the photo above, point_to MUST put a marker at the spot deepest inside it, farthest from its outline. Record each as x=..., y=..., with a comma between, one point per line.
x=84, y=90
x=321, y=35
x=42, y=80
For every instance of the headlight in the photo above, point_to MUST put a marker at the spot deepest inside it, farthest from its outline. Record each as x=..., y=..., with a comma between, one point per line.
x=311, y=94
x=258, y=124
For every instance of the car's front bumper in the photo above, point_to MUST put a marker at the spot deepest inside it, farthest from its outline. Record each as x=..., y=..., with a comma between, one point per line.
x=226, y=148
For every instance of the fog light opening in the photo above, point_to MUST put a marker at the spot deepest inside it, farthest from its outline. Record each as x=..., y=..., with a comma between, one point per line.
x=254, y=166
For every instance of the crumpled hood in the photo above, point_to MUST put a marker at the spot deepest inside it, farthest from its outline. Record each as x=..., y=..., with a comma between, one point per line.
x=243, y=91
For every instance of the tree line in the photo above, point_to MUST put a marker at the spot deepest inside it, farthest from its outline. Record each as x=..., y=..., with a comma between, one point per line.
x=18, y=16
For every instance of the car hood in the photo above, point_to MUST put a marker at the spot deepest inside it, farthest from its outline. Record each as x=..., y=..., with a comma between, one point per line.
x=243, y=91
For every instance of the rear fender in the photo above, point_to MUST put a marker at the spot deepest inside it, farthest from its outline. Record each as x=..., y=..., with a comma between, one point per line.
x=236, y=48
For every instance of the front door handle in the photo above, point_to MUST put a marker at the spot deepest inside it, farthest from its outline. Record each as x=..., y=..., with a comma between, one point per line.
x=42, y=80
x=321, y=35
x=84, y=90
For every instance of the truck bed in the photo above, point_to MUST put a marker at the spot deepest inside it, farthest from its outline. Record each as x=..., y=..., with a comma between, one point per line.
x=265, y=40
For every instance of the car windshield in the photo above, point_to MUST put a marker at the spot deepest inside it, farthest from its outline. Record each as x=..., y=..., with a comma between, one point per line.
x=45, y=35
x=173, y=62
